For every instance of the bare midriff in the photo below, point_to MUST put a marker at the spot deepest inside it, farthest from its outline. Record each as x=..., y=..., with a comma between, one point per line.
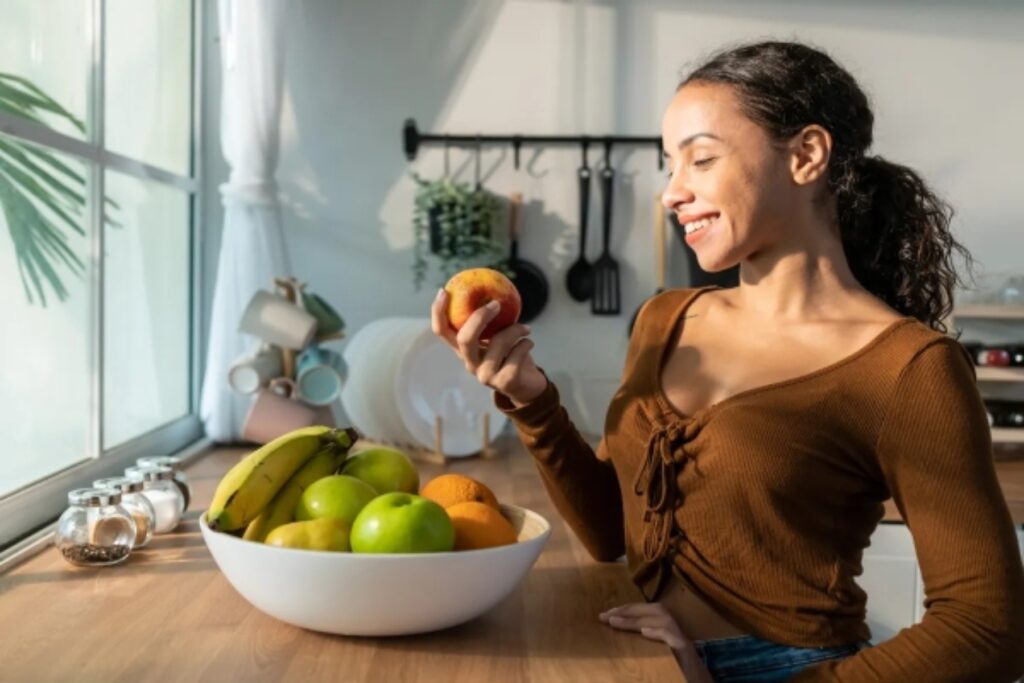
x=696, y=618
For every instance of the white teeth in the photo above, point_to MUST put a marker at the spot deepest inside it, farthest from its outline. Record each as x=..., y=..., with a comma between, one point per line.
x=694, y=226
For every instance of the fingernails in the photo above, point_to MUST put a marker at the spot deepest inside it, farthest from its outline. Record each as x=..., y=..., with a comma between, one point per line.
x=493, y=305
x=440, y=293
x=526, y=328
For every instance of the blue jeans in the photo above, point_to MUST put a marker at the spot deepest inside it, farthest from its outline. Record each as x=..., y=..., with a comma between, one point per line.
x=748, y=659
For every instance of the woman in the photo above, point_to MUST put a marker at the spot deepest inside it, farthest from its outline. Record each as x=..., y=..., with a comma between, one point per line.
x=758, y=429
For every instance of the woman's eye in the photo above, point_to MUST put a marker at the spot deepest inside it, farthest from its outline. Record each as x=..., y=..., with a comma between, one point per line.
x=701, y=163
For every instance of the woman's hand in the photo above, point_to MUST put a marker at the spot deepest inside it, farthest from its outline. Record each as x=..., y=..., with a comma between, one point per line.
x=503, y=363
x=653, y=621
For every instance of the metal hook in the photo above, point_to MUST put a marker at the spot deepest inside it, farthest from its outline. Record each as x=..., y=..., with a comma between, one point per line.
x=517, y=141
x=583, y=148
x=607, y=153
x=476, y=166
x=447, y=162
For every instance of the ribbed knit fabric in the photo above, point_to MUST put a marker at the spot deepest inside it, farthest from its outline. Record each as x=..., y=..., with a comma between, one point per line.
x=765, y=501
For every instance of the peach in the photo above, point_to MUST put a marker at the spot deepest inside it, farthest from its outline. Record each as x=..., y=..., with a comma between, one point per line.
x=473, y=288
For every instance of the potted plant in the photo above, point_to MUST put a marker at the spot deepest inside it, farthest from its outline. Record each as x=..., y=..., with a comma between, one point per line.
x=454, y=223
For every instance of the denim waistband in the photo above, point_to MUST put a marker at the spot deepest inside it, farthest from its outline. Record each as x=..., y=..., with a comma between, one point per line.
x=749, y=659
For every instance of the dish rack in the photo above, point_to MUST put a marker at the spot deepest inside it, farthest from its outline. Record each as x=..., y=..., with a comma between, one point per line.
x=435, y=455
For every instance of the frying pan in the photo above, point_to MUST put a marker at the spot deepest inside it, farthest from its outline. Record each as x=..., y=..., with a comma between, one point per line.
x=527, y=277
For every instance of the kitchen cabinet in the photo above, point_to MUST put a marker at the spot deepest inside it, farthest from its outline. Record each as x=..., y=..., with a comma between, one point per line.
x=995, y=324
x=892, y=580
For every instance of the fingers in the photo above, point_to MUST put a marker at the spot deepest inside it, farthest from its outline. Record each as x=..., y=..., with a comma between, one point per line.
x=499, y=350
x=467, y=339
x=652, y=620
x=666, y=636
x=635, y=609
x=439, y=318
x=637, y=623
x=518, y=359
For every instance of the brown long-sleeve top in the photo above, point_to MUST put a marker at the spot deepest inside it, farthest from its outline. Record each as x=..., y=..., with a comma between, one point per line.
x=764, y=502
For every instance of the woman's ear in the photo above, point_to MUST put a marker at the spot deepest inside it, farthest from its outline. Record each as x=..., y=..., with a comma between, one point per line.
x=810, y=150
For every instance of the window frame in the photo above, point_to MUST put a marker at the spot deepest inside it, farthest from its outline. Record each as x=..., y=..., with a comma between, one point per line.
x=31, y=510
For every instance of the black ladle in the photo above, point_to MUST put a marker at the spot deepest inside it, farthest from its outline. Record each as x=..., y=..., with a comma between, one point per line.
x=580, y=278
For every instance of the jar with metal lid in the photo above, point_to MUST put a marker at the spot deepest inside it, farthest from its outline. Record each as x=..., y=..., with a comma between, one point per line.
x=95, y=530
x=138, y=506
x=174, y=462
x=163, y=493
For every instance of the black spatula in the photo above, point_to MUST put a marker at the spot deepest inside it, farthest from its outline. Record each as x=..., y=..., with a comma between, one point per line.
x=605, y=300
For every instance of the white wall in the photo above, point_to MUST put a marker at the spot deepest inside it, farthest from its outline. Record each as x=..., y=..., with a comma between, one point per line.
x=943, y=80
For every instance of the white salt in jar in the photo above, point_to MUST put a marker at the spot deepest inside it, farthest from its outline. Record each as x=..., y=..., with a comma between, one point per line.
x=136, y=503
x=163, y=493
x=174, y=462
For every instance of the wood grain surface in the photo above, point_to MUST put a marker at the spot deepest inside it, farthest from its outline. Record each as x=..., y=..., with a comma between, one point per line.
x=168, y=614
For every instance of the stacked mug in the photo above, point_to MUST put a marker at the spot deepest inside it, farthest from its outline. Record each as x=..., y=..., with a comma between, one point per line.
x=287, y=394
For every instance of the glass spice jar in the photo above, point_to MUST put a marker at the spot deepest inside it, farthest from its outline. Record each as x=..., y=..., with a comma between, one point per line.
x=95, y=530
x=174, y=462
x=163, y=493
x=138, y=506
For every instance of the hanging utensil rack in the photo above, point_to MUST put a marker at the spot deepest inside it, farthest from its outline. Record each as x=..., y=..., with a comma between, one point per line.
x=413, y=139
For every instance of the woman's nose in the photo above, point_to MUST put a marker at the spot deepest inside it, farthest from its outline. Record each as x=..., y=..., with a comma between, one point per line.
x=676, y=194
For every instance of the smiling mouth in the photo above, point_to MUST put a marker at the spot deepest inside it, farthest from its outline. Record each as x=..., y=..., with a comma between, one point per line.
x=700, y=224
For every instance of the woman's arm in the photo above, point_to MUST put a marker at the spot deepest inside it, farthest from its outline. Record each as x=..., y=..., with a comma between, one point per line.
x=935, y=449
x=581, y=483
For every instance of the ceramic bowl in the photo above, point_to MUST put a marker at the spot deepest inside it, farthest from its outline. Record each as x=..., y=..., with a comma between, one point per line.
x=378, y=595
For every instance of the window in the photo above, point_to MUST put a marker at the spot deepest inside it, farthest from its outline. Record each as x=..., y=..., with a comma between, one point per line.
x=98, y=194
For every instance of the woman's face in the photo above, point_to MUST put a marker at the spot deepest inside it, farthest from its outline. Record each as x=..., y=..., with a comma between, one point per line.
x=727, y=179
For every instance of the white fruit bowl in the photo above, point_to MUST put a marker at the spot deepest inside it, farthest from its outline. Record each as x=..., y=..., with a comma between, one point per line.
x=378, y=595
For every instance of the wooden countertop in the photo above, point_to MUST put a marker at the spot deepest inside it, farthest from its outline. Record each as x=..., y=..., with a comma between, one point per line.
x=168, y=614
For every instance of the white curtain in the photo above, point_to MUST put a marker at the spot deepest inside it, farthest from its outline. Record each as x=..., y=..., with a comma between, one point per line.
x=252, y=249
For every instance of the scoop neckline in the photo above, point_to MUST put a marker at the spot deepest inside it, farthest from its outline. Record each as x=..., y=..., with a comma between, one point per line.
x=677, y=317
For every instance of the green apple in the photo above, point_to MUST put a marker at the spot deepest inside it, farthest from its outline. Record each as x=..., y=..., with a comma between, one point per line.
x=385, y=469
x=316, y=534
x=402, y=523
x=337, y=497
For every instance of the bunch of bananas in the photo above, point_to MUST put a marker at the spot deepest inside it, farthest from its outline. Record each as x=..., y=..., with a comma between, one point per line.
x=259, y=493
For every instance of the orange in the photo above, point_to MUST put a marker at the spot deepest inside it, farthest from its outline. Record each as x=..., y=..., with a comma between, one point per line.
x=452, y=489
x=479, y=526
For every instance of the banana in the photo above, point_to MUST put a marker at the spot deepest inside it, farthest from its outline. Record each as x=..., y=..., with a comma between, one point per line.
x=254, y=480
x=281, y=509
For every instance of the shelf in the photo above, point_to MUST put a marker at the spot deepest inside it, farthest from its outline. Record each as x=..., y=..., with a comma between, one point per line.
x=987, y=373
x=989, y=312
x=1007, y=435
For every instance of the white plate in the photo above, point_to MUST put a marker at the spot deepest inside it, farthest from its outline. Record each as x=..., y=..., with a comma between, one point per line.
x=431, y=380
x=354, y=395
x=388, y=347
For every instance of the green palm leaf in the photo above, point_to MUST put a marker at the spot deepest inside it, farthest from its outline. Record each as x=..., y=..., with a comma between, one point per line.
x=42, y=198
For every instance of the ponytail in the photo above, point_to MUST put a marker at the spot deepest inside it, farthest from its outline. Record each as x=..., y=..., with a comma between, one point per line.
x=896, y=236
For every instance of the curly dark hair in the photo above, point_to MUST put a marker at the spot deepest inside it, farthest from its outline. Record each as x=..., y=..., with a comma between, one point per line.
x=894, y=229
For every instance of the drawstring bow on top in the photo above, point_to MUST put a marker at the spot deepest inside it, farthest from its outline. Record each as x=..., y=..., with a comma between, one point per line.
x=656, y=482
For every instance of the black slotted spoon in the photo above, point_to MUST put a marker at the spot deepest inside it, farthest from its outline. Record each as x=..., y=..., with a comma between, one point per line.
x=606, y=300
